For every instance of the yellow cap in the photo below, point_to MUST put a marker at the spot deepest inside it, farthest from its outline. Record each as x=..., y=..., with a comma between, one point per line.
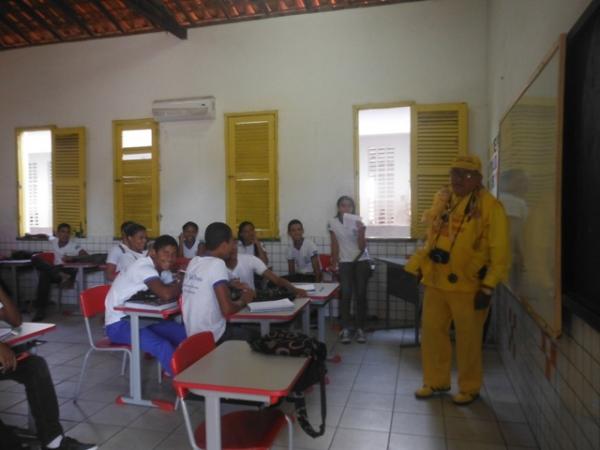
x=467, y=162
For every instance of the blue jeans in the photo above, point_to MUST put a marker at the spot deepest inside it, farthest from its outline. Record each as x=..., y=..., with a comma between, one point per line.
x=159, y=339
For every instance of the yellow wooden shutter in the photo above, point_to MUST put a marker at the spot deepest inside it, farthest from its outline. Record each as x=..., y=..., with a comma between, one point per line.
x=252, y=171
x=136, y=184
x=439, y=134
x=68, y=178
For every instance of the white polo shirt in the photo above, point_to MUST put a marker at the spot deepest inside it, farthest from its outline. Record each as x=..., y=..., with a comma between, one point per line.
x=248, y=249
x=347, y=240
x=71, y=249
x=247, y=266
x=122, y=256
x=302, y=257
x=129, y=282
x=200, y=307
x=193, y=251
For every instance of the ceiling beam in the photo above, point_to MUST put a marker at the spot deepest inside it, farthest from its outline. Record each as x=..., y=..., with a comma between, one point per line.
x=185, y=13
x=11, y=26
x=37, y=17
x=72, y=15
x=112, y=19
x=158, y=15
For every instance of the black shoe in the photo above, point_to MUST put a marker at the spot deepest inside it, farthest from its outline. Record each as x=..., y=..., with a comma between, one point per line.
x=68, y=443
x=40, y=314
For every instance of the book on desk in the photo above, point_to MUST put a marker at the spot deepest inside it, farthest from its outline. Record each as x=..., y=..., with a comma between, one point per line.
x=149, y=301
x=284, y=304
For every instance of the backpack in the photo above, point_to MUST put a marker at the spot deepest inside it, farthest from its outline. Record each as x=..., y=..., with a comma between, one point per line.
x=290, y=343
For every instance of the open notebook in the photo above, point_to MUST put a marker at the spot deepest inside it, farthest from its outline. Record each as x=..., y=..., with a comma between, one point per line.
x=273, y=305
x=308, y=287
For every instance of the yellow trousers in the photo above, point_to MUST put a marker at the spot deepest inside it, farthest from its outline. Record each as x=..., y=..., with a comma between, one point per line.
x=440, y=309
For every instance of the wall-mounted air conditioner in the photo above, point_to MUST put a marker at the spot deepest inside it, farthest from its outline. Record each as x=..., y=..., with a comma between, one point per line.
x=193, y=108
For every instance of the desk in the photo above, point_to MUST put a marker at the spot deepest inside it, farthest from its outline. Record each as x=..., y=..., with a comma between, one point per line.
x=27, y=332
x=232, y=370
x=320, y=297
x=135, y=373
x=402, y=285
x=80, y=277
x=265, y=319
x=14, y=265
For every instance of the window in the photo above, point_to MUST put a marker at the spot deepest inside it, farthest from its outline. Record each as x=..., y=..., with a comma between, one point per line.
x=251, y=141
x=136, y=186
x=51, y=179
x=404, y=153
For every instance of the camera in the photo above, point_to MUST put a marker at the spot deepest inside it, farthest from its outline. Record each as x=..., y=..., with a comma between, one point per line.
x=439, y=256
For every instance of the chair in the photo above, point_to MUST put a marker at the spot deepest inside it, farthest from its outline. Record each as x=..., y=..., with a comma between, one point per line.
x=248, y=429
x=48, y=257
x=92, y=302
x=325, y=262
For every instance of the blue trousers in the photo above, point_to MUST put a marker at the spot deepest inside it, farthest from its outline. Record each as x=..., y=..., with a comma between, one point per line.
x=159, y=339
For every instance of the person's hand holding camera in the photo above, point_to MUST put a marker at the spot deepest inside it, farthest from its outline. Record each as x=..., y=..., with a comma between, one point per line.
x=483, y=297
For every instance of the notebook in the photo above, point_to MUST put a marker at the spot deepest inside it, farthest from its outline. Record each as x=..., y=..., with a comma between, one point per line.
x=150, y=301
x=305, y=286
x=285, y=304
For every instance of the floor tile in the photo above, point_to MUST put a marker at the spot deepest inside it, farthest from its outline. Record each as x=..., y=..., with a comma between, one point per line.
x=418, y=424
x=93, y=432
x=345, y=439
x=518, y=434
x=114, y=414
x=411, y=442
x=479, y=409
x=411, y=404
x=371, y=400
x=366, y=419
x=485, y=431
x=469, y=445
x=134, y=439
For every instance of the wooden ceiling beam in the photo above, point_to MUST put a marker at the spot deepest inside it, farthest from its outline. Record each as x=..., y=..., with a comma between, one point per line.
x=111, y=18
x=11, y=26
x=72, y=15
x=37, y=17
x=158, y=15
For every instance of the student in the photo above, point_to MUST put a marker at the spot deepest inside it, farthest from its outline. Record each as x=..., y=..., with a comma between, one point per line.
x=349, y=251
x=303, y=256
x=245, y=267
x=206, y=299
x=248, y=243
x=32, y=372
x=189, y=244
x=63, y=248
x=161, y=338
x=131, y=248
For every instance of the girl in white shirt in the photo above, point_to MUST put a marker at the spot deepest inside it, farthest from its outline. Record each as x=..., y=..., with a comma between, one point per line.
x=303, y=256
x=349, y=252
x=189, y=244
x=132, y=247
x=248, y=243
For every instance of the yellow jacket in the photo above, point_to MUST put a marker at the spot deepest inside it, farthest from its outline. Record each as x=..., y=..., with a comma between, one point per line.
x=483, y=241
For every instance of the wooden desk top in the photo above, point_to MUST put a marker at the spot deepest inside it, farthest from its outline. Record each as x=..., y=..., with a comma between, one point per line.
x=233, y=367
x=281, y=316
x=28, y=331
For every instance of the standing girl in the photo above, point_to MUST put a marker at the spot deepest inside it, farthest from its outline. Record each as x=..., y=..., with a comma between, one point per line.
x=349, y=251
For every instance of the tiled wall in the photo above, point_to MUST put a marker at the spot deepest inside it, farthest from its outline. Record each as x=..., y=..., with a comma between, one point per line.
x=557, y=380
x=400, y=312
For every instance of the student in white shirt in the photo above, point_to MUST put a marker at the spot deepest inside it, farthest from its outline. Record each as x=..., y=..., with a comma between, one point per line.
x=303, y=256
x=245, y=267
x=63, y=247
x=161, y=338
x=248, y=243
x=131, y=248
x=349, y=251
x=206, y=298
x=189, y=244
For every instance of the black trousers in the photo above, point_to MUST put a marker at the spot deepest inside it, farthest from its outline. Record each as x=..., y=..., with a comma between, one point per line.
x=33, y=373
x=48, y=274
x=354, y=277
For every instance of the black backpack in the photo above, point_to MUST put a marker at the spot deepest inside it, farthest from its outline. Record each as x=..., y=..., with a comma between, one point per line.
x=290, y=343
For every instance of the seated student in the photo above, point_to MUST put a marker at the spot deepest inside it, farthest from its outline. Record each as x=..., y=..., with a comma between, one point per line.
x=189, y=244
x=303, y=256
x=131, y=247
x=244, y=267
x=206, y=298
x=63, y=248
x=161, y=338
x=32, y=372
x=248, y=243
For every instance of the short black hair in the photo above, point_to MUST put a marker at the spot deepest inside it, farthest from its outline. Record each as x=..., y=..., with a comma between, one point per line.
x=125, y=225
x=242, y=225
x=194, y=225
x=63, y=225
x=346, y=198
x=294, y=222
x=133, y=228
x=164, y=241
x=217, y=233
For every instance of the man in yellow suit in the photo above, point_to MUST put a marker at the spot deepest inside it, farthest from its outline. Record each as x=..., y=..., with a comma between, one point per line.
x=465, y=256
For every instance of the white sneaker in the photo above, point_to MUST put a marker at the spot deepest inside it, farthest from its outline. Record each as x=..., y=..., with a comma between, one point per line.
x=345, y=337
x=360, y=336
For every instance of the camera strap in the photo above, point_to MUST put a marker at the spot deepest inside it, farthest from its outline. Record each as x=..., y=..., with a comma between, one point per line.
x=446, y=219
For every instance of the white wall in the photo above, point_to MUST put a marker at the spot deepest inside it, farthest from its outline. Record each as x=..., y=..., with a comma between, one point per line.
x=311, y=68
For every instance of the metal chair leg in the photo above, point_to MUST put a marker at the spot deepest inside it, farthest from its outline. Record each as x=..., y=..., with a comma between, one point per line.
x=83, y=369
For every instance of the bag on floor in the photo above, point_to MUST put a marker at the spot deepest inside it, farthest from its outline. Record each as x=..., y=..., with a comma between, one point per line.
x=290, y=343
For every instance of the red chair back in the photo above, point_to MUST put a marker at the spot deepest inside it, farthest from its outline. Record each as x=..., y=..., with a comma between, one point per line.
x=325, y=261
x=45, y=256
x=92, y=300
x=181, y=263
x=190, y=351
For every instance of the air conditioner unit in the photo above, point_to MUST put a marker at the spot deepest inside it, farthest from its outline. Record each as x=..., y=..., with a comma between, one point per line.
x=193, y=108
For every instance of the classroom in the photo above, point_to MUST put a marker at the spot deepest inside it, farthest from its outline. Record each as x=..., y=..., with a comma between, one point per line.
x=288, y=98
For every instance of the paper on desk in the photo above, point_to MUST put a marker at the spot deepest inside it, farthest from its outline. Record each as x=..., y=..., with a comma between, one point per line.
x=350, y=221
x=274, y=305
x=5, y=332
x=305, y=286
